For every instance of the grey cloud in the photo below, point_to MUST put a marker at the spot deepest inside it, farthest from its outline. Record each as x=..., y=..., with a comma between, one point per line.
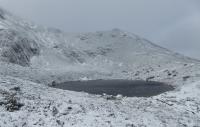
x=169, y=23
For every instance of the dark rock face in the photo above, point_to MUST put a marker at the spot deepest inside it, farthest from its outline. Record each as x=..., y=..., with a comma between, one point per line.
x=16, y=48
x=186, y=77
x=2, y=14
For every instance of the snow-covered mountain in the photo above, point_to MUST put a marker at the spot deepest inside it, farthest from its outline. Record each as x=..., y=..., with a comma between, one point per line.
x=32, y=56
x=103, y=54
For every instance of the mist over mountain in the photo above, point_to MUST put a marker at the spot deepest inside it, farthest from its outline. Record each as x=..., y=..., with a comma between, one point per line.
x=171, y=24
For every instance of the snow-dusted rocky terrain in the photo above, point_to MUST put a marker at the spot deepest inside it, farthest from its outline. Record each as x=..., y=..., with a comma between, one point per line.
x=33, y=56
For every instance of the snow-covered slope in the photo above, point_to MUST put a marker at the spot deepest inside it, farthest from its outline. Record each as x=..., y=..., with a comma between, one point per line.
x=32, y=56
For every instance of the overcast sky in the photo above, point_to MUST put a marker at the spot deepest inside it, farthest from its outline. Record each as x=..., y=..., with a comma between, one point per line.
x=174, y=24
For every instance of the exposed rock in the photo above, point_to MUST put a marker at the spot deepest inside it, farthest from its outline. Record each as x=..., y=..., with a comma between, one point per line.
x=16, y=48
x=69, y=108
x=54, y=111
x=186, y=77
x=150, y=78
x=60, y=123
x=2, y=14
x=53, y=83
x=16, y=88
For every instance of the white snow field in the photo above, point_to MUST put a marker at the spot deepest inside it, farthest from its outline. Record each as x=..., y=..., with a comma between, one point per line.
x=33, y=56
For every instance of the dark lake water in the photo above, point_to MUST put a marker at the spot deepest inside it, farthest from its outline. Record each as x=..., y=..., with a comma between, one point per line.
x=128, y=88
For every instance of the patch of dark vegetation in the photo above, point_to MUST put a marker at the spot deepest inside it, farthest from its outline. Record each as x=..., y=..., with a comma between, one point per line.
x=17, y=49
x=10, y=101
x=12, y=104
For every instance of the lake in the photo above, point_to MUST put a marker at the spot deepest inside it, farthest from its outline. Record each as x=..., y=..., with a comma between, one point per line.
x=129, y=88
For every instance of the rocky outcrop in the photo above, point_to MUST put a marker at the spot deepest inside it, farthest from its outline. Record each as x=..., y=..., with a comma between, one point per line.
x=2, y=14
x=16, y=48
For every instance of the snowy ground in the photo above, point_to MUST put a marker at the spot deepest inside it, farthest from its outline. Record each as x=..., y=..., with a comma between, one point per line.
x=44, y=106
